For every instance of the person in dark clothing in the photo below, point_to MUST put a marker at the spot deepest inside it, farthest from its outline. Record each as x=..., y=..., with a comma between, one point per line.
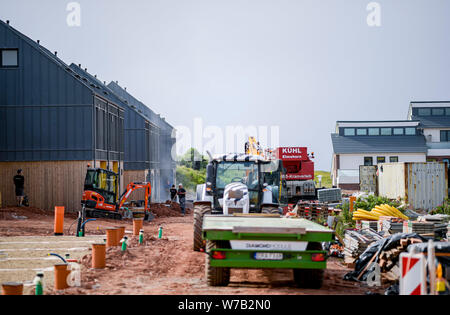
x=182, y=198
x=173, y=193
x=19, y=182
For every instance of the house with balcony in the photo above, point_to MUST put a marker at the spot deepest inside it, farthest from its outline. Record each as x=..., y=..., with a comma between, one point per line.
x=434, y=118
x=357, y=143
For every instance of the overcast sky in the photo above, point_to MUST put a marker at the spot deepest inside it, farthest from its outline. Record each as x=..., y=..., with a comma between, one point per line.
x=300, y=65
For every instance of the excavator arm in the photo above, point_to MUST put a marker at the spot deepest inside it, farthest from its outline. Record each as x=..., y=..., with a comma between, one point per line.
x=132, y=187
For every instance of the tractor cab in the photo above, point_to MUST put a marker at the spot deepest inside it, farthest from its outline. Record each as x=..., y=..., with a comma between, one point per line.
x=260, y=178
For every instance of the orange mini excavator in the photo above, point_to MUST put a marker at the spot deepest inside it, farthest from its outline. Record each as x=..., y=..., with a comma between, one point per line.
x=100, y=197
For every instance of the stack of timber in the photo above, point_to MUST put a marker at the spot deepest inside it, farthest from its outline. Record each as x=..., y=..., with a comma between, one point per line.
x=389, y=259
x=356, y=242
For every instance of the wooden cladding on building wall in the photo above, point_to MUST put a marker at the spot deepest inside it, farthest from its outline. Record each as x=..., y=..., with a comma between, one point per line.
x=47, y=184
x=135, y=176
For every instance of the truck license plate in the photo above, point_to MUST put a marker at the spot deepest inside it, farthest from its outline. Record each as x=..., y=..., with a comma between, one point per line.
x=268, y=256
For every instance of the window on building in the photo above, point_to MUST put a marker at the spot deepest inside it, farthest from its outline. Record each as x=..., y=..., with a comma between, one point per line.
x=368, y=161
x=447, y=112
x=410, y=131
x=361, y=132
x=437, y=112
x=349, y=132
x=393, y=159
x=374, y=131
x=424, y=111
x=445, y=135
x=9, y=58
x=398, y=131
x=386, y=131
x=381, y=159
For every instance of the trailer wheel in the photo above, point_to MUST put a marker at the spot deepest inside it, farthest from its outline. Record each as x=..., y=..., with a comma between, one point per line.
x=215, y=276
x=200, y=209
x=310, y=278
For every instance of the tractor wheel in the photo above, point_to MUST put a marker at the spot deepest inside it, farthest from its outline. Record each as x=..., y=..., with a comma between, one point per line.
x=310, y=278
x=215, y=276
x=200, y=210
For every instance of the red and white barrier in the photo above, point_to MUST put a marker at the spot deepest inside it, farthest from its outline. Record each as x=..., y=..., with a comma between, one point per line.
x=413, y=274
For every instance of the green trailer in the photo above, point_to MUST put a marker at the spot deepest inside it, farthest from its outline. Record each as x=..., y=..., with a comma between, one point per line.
x=265, y=241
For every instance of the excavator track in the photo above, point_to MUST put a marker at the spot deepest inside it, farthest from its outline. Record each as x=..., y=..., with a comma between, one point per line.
x=94, y=213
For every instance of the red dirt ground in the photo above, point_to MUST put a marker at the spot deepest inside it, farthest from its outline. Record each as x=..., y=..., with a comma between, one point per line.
x=164, y=266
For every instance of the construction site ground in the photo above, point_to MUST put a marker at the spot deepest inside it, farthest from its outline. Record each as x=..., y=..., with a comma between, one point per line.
x=159, y=266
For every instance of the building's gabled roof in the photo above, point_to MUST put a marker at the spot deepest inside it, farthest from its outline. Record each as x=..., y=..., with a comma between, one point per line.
x=378, y=144
x=96, y=85
x=45, y=52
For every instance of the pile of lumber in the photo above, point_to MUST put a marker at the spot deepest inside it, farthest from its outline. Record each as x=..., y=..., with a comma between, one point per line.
x=389, y=259
x=356, y=242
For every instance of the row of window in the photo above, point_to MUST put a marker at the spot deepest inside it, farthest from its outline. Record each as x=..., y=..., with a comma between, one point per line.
x=439, y=111
x=397, y=131
x=9, y=58
x=368, y=160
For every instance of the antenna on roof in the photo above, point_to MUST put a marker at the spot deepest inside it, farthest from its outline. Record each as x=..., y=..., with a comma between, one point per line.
x=79, y=65
x=7, y=22
x=56, y=53
x=38, y=41
x=95, y=76
x=85, y=69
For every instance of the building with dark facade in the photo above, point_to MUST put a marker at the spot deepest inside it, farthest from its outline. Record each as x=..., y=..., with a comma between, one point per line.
x=159, y=167
x=57, y=119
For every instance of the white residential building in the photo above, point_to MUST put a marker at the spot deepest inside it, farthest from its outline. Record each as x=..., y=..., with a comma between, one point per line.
x=357, y=143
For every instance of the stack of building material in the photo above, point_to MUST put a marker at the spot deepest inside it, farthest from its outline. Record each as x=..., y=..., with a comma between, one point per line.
x=317, y=212
x=422, y=228
x=356, y=242
x=369, y=225
x=388, y=259
x=390, y=224
x=440, y=229
x=329, y=195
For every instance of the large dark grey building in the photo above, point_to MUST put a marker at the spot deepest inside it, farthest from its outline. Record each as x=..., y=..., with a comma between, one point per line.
x=55, y=119
x=159, y=165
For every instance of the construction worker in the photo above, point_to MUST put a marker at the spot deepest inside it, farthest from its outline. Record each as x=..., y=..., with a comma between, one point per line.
x=173, y=193
x=19, y=182
x=182, y=198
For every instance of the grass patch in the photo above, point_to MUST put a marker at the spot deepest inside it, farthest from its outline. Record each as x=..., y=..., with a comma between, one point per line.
x=326, y=178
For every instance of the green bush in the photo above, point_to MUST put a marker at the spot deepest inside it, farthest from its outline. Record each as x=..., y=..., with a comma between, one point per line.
x=443, y=209
x=369, y=202
x=190, y=178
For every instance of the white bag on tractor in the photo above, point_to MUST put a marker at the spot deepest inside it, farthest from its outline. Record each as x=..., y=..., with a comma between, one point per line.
x=236, y=199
